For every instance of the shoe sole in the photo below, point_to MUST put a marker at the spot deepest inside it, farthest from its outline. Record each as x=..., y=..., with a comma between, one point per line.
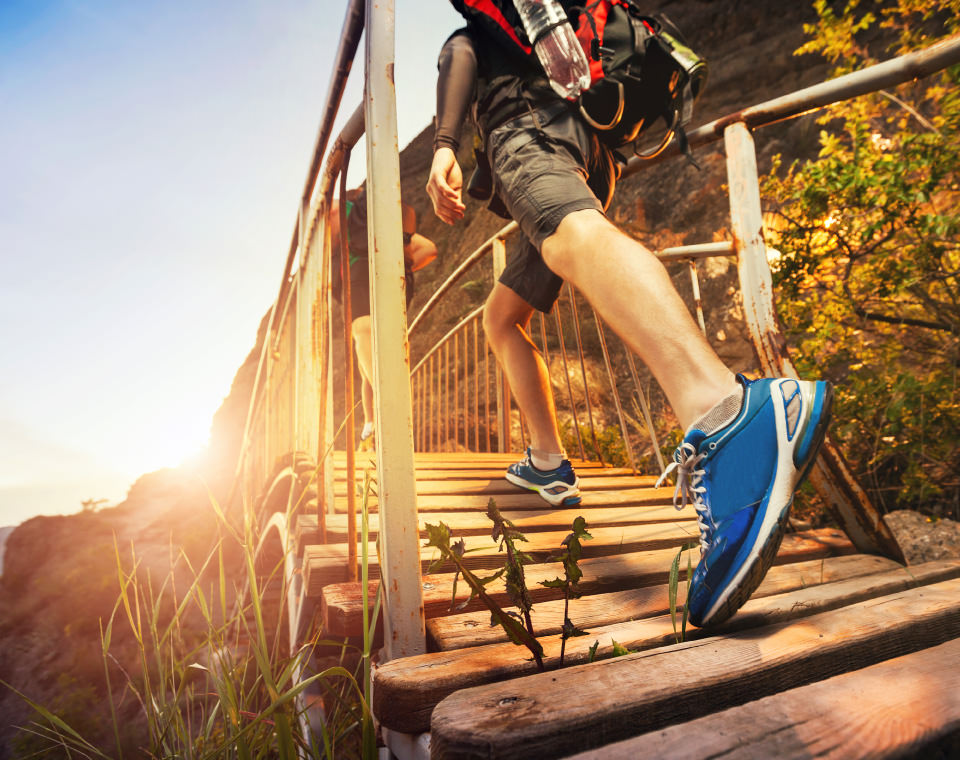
x=560, y=500
x=770, y=535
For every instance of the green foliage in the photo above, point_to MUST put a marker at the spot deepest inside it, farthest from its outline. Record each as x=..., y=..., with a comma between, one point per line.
x=609, y=443
x=517, y=625
x=868, y=279
x=225, y=688
x=438, y=536
x=673, y=584
x=570, y=556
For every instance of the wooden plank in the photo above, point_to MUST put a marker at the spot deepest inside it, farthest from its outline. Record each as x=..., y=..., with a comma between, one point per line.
x=497, y=486
x=408, y=690
x=325, y=564
x=475, y=523
x=617, y=698
x=342, y=606
x=521, y=499
x=459, y=460
x=472, y=629
x=495, y=473
x=918, y=717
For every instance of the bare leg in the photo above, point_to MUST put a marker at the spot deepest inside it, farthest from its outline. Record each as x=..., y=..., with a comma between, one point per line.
x=630, y=289
x=363, y=343
x=505, y=318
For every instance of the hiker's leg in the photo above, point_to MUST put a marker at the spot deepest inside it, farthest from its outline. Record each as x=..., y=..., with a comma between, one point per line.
x=505, y=318
x=631, y=290
x=363, y=343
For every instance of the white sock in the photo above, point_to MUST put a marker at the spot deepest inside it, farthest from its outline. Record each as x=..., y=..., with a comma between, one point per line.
x=367, y=431
x=545, y=460
x=720, y=415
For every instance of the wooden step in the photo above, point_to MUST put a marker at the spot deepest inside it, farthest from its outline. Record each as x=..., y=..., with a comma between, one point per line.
x=475, y=523
x=326, y=564
x=407, y=690
x=585, y=472
x=342, y=607
x=558, y=713
x=471, y=629
x=499, y=485
x=908, y=706
x=456, y=459
x=523, y=499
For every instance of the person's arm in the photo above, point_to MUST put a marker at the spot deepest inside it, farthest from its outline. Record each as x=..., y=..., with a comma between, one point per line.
x=455, y=87
x=417, y=249
x=420, y=251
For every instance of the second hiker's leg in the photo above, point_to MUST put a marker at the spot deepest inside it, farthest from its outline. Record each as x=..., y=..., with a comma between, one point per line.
x=505, y=318
x=363, y=343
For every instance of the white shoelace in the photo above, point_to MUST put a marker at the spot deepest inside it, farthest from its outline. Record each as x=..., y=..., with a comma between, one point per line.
x=688, y=487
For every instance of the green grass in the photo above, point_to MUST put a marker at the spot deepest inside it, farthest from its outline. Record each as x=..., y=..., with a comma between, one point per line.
x=206, y=672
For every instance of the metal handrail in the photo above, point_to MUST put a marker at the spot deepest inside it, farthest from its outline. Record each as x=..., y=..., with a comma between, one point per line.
x=896, y=71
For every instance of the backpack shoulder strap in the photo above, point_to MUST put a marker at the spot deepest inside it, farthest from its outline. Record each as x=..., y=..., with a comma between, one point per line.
x=499, y=19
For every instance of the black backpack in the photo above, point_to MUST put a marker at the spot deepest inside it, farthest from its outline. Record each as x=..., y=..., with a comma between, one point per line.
x=642, y=69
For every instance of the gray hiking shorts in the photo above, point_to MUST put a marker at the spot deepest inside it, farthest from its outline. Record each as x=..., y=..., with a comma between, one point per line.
x=545, y=165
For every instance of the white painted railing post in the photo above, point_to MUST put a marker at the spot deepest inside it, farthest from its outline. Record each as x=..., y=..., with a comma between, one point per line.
x=830, y=475
x=404, y=632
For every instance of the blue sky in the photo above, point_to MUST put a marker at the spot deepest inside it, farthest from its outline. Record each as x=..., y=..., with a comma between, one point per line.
x=152, y=155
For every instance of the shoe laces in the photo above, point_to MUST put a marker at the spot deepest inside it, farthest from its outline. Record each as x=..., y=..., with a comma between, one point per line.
x=689, y=488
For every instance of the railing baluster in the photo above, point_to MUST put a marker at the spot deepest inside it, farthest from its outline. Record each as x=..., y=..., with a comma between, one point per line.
x=695, y=284
x=644, y=407
x=476, y=387
x=583, y=371
x=566, y=377
x=456, y=389
x=486, y=392
x=616, y=392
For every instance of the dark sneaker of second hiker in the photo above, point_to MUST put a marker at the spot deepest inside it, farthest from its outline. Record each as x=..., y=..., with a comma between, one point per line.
x=550, y=475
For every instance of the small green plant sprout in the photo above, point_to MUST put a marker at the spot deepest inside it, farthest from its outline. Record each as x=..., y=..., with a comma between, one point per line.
x=507, y=534
x=618, y=649
x=438, y=536
x=672, y=584
x=592, y=652
x=569, y=584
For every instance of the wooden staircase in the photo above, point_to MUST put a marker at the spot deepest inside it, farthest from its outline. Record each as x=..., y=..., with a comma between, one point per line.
x=836, y=653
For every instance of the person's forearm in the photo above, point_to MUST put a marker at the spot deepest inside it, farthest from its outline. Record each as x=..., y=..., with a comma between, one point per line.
x=455, y=85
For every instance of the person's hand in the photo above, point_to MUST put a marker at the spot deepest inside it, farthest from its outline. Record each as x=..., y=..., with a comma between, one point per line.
x=445, y=186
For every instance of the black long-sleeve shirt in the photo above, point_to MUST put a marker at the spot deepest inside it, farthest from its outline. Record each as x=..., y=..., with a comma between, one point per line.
x=475, y=68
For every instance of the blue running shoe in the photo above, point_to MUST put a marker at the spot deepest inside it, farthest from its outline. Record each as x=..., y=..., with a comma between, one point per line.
x=559, y=487
x=741, y=480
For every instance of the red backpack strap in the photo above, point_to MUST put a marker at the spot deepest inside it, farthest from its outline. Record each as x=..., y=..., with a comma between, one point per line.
x=591, y=35
x=489, y=14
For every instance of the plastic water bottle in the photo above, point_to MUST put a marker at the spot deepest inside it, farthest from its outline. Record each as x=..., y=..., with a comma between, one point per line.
x=556, y=45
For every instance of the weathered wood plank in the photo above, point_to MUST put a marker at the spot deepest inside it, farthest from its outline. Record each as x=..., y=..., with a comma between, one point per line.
x=407, y=690
x=490, y=473
x=905, y=707
x=521, y=499
x=471, y=629
x=342, y=606
x=614, y=699
x=499, y=485
x=475, y=523
x=325, y=564
x=457, y=461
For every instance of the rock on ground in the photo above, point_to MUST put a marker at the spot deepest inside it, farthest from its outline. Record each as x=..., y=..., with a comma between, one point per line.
x=923, y=540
